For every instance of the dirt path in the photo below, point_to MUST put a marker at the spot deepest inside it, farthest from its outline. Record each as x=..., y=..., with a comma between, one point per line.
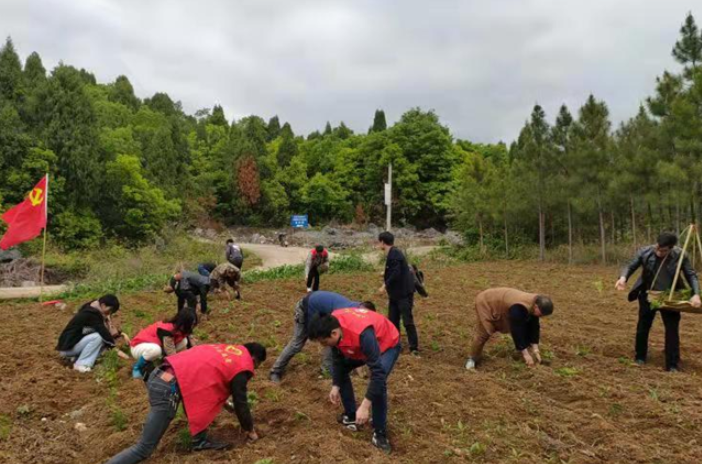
x=275, y=255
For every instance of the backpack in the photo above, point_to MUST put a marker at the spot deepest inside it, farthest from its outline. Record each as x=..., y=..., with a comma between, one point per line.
x=418, y=281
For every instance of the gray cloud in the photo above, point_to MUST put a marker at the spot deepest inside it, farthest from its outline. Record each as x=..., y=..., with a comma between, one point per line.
x=480, y=65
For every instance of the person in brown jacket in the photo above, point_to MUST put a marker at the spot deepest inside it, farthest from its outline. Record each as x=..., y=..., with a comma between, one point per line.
x=508, y=310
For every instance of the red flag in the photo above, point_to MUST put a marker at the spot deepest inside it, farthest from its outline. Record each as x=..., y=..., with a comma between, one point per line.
x=26, y=220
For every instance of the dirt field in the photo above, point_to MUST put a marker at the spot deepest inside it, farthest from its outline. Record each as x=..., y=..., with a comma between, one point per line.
x=589, y=405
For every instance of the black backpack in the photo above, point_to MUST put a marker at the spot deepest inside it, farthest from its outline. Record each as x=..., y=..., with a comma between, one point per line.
x=418, y=281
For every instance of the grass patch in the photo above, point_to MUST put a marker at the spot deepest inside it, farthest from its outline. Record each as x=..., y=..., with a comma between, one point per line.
x=567, y=372
x=107, y=374
x=5, y=426
x=116, y=269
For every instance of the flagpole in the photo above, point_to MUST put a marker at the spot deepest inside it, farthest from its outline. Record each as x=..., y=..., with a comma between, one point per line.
x=43, y=252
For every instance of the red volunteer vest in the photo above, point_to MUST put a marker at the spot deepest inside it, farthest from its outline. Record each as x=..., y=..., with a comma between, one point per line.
x=204, y=373
x=150, y=334
x=353, y=321
x=324, y=254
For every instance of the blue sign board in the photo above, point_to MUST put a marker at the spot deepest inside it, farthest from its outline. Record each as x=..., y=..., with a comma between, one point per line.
x=299, y=221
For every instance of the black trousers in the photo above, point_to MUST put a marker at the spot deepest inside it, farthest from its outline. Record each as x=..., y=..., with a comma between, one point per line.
x=313, y=279
x=402, y=308
x=671, y=321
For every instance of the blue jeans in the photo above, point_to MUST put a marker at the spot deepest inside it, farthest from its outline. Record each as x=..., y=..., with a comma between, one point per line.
x=86, y=350
x=380, y=405
x=202, y=271
x=164, y=398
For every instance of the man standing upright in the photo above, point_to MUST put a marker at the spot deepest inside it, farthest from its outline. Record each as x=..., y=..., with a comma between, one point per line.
x=659, y=263
x=399, y=285
x=234, y=254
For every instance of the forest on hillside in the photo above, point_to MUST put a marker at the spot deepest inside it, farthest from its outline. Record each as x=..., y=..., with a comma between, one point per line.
x=125, y=168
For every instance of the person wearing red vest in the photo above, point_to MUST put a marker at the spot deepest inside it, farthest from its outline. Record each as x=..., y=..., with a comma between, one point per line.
x=360, y=336
x=203, y=377
x=169, y=337
x=317, y=263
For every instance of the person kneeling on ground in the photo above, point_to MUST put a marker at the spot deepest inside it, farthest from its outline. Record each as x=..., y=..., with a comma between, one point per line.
x=205, y=269
x=162, y=338
x=512, y=311
x=317, y=263
x=204, y=377
x=89, y=332
x=188, y=286
x=226, y=274
x=360, y=336
x=234, y=254
x=312, y=304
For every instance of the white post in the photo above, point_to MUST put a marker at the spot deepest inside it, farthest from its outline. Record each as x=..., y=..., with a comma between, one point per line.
x=388, y=198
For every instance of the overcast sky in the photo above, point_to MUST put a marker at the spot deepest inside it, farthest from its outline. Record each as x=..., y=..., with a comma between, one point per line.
x=481, y=65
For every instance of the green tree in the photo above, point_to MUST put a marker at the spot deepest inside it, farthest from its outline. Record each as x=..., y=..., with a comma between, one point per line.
x=34, y=71
x=591, y=136
x=273, y=129
x=688, y=49
x=325, y=200
x=427, y=145
x=123, y=92
x=71, y=133
x=140, y=210
x=562, y=138
x=379, y=123
x=11, y=82
x=218, y=118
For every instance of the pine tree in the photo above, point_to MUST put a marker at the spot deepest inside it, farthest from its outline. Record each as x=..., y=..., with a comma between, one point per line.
x=72, y=133
x=273, y=128
x=34, y=71
x=218, y=118
x=688, y=50
x=288, y=146
x=11, y=82
x=592, y=144
x=561, y=135
x=327, y=129
x=379, y=123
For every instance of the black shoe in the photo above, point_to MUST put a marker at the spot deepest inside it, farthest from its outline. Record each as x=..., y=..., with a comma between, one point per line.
x=380, y=441
x=275, y=378
x=415, y=353
x=347, y=422
x=207, y=444
x=672, y=369
x=238, y=295
x=640, y=362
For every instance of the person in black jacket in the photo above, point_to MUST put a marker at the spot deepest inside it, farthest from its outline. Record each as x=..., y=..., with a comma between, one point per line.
x=399, y=285
x=88, y=332
x=659, y=263
x=188, y=286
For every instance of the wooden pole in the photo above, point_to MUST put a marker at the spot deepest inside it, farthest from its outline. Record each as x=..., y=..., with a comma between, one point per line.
x=43, y=261
x=690, y=230
x=43, y=251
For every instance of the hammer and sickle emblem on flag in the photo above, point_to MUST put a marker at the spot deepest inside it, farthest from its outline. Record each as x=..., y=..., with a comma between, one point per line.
x=36, y=196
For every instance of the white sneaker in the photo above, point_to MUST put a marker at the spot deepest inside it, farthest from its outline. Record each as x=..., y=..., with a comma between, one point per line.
x=309, y=290
x=81, y=369
x=470, y=364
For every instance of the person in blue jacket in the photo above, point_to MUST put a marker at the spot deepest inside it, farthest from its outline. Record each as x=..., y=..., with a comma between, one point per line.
x=319, y=302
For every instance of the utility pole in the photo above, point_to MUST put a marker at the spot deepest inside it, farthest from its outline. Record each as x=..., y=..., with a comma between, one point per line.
x=388, y=199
